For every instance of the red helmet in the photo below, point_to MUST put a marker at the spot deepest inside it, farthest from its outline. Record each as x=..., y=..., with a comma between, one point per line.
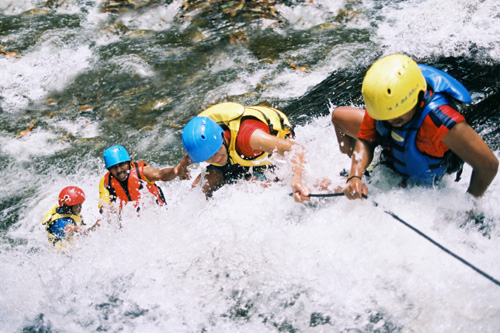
x=71, y=196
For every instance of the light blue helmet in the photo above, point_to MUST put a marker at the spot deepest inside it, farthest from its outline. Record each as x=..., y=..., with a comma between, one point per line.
x=202, y=138
x=115, y=155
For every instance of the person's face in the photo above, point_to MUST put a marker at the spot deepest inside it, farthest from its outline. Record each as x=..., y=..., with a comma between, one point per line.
x=402, y=120
x=220, y=157
x=120, y=171
x=76, y=209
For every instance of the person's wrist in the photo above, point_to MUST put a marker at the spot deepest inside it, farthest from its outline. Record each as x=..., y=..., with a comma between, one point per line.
x=353, y=177
x=297, y=179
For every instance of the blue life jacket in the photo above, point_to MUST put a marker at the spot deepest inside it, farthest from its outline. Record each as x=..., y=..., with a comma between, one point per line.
x=56, y=219
x=400, y=142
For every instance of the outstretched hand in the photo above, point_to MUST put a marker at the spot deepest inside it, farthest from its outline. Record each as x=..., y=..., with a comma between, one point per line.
x=93, y=227
x=182, y=170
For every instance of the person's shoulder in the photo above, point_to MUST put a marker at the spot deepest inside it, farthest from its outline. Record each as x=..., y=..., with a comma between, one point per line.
x=103, y=185
x=448, y=110
x=249, y=126
x=64, y=221
x=445, y=115
x=49, y=214
x=105, y=175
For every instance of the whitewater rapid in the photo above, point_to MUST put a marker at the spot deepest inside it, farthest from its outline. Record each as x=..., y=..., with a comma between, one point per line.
x=250, y=259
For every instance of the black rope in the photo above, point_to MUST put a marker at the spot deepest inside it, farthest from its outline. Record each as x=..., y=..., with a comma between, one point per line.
x=326, y=195
x=340, y=194
x=397, y=218
x=489, y=277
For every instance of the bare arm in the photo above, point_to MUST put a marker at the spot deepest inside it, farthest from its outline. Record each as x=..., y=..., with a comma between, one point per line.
x=213, y=180
x=469, y=146
x=260, y=140
x=71, y=229
x=168, y=174
x=361, y=159
x=347, y=120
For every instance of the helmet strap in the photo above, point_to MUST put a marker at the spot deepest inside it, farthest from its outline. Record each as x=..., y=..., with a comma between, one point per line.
x=424, y=98
x=225, y=143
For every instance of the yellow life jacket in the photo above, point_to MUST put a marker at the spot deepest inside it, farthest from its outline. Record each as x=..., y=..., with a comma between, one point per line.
x=51, y=216
x=230, y=115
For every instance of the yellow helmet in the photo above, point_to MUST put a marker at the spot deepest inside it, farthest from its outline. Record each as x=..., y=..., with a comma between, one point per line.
x=391, y=86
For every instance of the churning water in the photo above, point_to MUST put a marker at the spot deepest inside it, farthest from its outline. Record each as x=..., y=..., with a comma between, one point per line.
x=89, y=74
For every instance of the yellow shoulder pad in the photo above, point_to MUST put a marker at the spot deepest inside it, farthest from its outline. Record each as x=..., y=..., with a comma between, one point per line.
x=224, y=112
x=48, y=216
x=103, y=194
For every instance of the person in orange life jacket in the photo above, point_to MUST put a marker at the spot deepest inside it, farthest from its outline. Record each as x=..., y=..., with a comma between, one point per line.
x=409, y=112
x=236, y=141
x=64, y=219
x=126, y=179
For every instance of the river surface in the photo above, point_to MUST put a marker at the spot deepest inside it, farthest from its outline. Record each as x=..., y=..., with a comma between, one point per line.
x=77, y=76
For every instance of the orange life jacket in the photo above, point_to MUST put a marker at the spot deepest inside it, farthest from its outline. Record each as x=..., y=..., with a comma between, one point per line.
x=135, y=184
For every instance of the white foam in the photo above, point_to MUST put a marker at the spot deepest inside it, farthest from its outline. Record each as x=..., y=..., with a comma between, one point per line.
x=204, y=264
x=37, y=143
x=309, y=15
x=14, y=7
x=31, y=77
x=132, y=63
x=436, y=27
x=191, y=265
x=81, y=128
x=156, y=18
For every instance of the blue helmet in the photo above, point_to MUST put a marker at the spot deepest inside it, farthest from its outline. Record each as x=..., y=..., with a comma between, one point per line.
x=202, y=138
x=115, y=155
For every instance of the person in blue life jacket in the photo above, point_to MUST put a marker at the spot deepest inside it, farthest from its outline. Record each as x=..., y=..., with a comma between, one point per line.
x=64, y=220
x=411, y=114
x=238, y=143
x=128, y=181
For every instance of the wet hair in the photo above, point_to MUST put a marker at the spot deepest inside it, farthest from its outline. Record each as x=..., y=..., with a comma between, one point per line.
x=65, y=209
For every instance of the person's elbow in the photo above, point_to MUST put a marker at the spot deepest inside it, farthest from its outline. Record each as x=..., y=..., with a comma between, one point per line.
x=489, y=167
x=493, y=167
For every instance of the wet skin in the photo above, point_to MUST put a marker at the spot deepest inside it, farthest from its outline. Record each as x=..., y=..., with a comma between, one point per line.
x=76, y=209
x=120, y=171
x=220, y=157
x=402, y=120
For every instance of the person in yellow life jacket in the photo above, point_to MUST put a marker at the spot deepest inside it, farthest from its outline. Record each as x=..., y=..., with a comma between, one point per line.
x=64, y=220
x=236, y=141
x=127, y=181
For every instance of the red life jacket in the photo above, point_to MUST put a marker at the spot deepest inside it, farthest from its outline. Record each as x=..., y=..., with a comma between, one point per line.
x=135, y=184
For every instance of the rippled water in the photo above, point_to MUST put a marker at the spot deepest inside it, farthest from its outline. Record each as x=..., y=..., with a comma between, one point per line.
x=76, y=79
